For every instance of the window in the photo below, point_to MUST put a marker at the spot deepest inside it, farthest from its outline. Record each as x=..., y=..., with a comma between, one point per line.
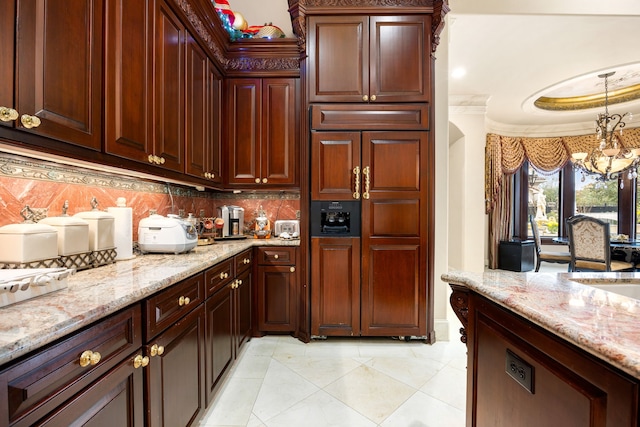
x=552, y=198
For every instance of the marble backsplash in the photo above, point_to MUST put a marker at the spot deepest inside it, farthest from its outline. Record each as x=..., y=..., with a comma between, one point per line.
x=46, y=186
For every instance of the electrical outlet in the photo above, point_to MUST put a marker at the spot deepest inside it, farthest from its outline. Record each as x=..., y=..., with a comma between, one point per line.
x=181, y=213
x=152, y=212
x=519, y=370
x=298, y=214
x=201, y=213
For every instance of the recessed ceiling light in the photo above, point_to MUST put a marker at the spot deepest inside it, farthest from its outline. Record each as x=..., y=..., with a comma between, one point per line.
x=458, y=73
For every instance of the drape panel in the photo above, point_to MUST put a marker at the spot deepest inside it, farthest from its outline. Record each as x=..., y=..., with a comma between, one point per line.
x=504, y=155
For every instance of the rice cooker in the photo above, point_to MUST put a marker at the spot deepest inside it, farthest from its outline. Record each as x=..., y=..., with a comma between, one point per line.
x=170, y=234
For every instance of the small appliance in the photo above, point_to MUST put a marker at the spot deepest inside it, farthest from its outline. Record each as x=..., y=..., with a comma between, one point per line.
x=171, y=234
x=288, y=226
x=233, y=217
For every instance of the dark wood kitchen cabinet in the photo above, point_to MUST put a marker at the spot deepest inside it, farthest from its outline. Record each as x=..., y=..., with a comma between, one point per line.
x=276, y=289
x=58, y=69
x=7, y=61
x=242, y=305
x=385, y=170
x=522, y=375
x=358, y=58
x=203, y=111
x=175, y=347
x=169, y=94
x=129, y=79
x=88, y=378
x=261, y=131
x=335, y=294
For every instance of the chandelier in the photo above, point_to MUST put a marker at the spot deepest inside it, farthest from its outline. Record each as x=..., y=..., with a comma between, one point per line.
x=609, y=160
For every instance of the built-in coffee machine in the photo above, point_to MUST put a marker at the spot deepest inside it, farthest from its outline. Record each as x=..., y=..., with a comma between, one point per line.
x=338, y=218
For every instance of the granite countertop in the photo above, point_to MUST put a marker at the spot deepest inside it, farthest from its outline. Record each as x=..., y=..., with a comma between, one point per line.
x=602, y=323
x=95, y=293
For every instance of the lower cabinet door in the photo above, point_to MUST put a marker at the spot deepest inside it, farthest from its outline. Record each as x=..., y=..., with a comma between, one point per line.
x=243, y=318
x=275, y=288
x=176, y=379
x=219, y=341
x=116, y=399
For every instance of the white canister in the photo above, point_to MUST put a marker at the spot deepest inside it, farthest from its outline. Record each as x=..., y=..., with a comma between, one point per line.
x=101, y=229
x=28, y=242
x=73, y=234
x=123, y=223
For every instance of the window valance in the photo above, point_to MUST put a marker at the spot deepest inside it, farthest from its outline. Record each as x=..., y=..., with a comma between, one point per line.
x=504, y=155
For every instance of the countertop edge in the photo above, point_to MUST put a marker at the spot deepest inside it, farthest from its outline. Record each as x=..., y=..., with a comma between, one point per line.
x=596, y=321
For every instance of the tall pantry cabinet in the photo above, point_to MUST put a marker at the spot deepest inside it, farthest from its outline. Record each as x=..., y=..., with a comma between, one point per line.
x=369, y=88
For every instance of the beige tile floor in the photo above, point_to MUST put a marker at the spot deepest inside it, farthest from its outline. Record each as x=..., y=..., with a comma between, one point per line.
x=279, y=381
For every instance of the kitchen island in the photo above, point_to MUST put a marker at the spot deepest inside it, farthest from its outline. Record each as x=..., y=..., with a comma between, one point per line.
x=547, y=349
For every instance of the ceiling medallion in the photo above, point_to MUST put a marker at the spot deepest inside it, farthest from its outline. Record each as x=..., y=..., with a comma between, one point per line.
x=583, y=102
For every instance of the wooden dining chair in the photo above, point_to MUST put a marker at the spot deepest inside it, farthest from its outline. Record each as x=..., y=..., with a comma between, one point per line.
x=589, y=246
x=546, y=256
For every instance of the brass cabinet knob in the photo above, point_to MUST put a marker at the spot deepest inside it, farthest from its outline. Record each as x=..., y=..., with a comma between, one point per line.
x=239, y=282
x=257, y=180
x=8, y=114
x=373, y=98
x=212, y=175
x=365, y=98
x=30, y=121
x=140, y=361
x=246, y=261
x=89, y=357
x=151, y=158
x=265, y=180
x=276, y=256
x=224, y=275
x=162, y=160
x=292, y=269
x=183, y=301
x=206, y=174
x=157, y=350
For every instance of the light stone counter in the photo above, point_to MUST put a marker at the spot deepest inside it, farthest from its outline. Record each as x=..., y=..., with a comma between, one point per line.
x=602, y=323
x=95, y=293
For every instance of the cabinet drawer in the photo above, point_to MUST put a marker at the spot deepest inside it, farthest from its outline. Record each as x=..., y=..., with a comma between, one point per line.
x=167, y=307
x=276, y=256
x=370, y=117
x=218, y=276
x=243, y=261
x=40, y=383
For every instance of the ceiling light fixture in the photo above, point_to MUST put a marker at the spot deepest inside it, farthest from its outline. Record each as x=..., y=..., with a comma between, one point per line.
x=610, y=159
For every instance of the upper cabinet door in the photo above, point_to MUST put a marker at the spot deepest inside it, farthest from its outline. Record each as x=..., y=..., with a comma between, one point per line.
x=338, y=49
x=59, y=69
x=7, y=51
x=197, y=147
x=369, y=59
x=169, y=80
x=243, y=114
x=129, y=79
x=399, y=62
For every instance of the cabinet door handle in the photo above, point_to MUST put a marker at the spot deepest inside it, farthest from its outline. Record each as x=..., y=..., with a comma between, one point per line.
x=356, y=184
x=276, y=256
x=157, y=350
x=224, y=275
x=89, y=357
x=265, y=180
x=30, y=121
x=183, y=301
x=140, y=361
x=246, y=261
x=292, y=269
x=373, y=98
x=8, y=114
x=257, y=180
x=367, y=181
x=365, y=98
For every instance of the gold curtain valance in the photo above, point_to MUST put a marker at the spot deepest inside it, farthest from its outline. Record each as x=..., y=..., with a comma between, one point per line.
x=504, y=155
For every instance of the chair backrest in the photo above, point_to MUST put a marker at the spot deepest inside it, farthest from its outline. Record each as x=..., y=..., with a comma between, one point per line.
x=589, y=239
x=536, y=234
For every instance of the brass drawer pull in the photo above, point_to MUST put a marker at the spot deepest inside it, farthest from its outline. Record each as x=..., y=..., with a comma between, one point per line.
x=140, y=361
x=183, y=301
x=246, y=261
x=157, y=350
x=224, y=275
x=30, y=121
x=8, y=114
x=89, y=357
